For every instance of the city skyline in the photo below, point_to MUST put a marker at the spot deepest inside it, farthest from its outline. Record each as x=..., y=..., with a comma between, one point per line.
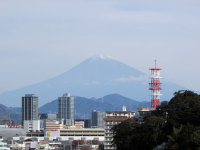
x=40, y=40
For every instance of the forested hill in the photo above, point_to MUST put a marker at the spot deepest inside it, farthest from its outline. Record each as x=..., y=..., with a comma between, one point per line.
x=172, y=126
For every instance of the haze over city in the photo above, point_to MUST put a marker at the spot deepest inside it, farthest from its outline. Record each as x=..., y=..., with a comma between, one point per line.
x=99, y=75
x=42, y=39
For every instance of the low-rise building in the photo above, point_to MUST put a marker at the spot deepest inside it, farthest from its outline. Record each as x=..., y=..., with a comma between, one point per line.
x=52, y=128
x=76, y=133
x=142, y=112
x=52, y=124
x=79, y=124
x=46, y=116
x=58, y=143
x=94, y=132
x=3, y=145
x=35, y=133
x=31, y=125
x=87, y=122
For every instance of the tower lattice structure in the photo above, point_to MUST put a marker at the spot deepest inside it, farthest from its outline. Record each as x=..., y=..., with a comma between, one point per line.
x=155, y=86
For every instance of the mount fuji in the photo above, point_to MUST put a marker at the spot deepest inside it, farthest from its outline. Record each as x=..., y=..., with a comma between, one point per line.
x=94, y=77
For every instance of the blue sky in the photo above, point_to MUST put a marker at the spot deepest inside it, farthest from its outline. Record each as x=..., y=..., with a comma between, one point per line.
x=42, y=39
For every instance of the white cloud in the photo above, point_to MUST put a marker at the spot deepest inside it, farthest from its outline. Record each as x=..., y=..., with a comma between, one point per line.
x=131, y=79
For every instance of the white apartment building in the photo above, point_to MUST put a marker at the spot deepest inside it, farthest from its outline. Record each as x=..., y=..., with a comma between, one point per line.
x=31, y=125
x=83, y=132
x=114, y=118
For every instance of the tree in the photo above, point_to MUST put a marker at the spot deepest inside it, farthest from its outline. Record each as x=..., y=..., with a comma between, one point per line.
x=184, y=108
x=131, y=135
x=176, y=123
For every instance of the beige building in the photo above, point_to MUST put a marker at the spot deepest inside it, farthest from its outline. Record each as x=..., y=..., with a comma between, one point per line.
x=79, y=124
x=52, y=128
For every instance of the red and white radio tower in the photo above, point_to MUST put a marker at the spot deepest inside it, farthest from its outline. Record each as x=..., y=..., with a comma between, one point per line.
x=155, y=86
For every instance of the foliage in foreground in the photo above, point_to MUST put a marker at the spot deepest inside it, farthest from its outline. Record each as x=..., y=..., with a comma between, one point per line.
x=176, y=125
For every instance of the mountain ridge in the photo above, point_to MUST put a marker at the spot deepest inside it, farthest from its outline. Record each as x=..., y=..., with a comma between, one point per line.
x=85, y=106
x=94, y=77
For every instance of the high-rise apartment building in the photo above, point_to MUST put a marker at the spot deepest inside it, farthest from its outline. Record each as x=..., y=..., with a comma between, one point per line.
x=66, y=109
x=30, y=112
x=97, y=119
x=30, y=107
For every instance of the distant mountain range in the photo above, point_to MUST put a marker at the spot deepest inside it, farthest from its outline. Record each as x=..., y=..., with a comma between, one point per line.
x=84, y=106
x=95, y=77
x=6, y=113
